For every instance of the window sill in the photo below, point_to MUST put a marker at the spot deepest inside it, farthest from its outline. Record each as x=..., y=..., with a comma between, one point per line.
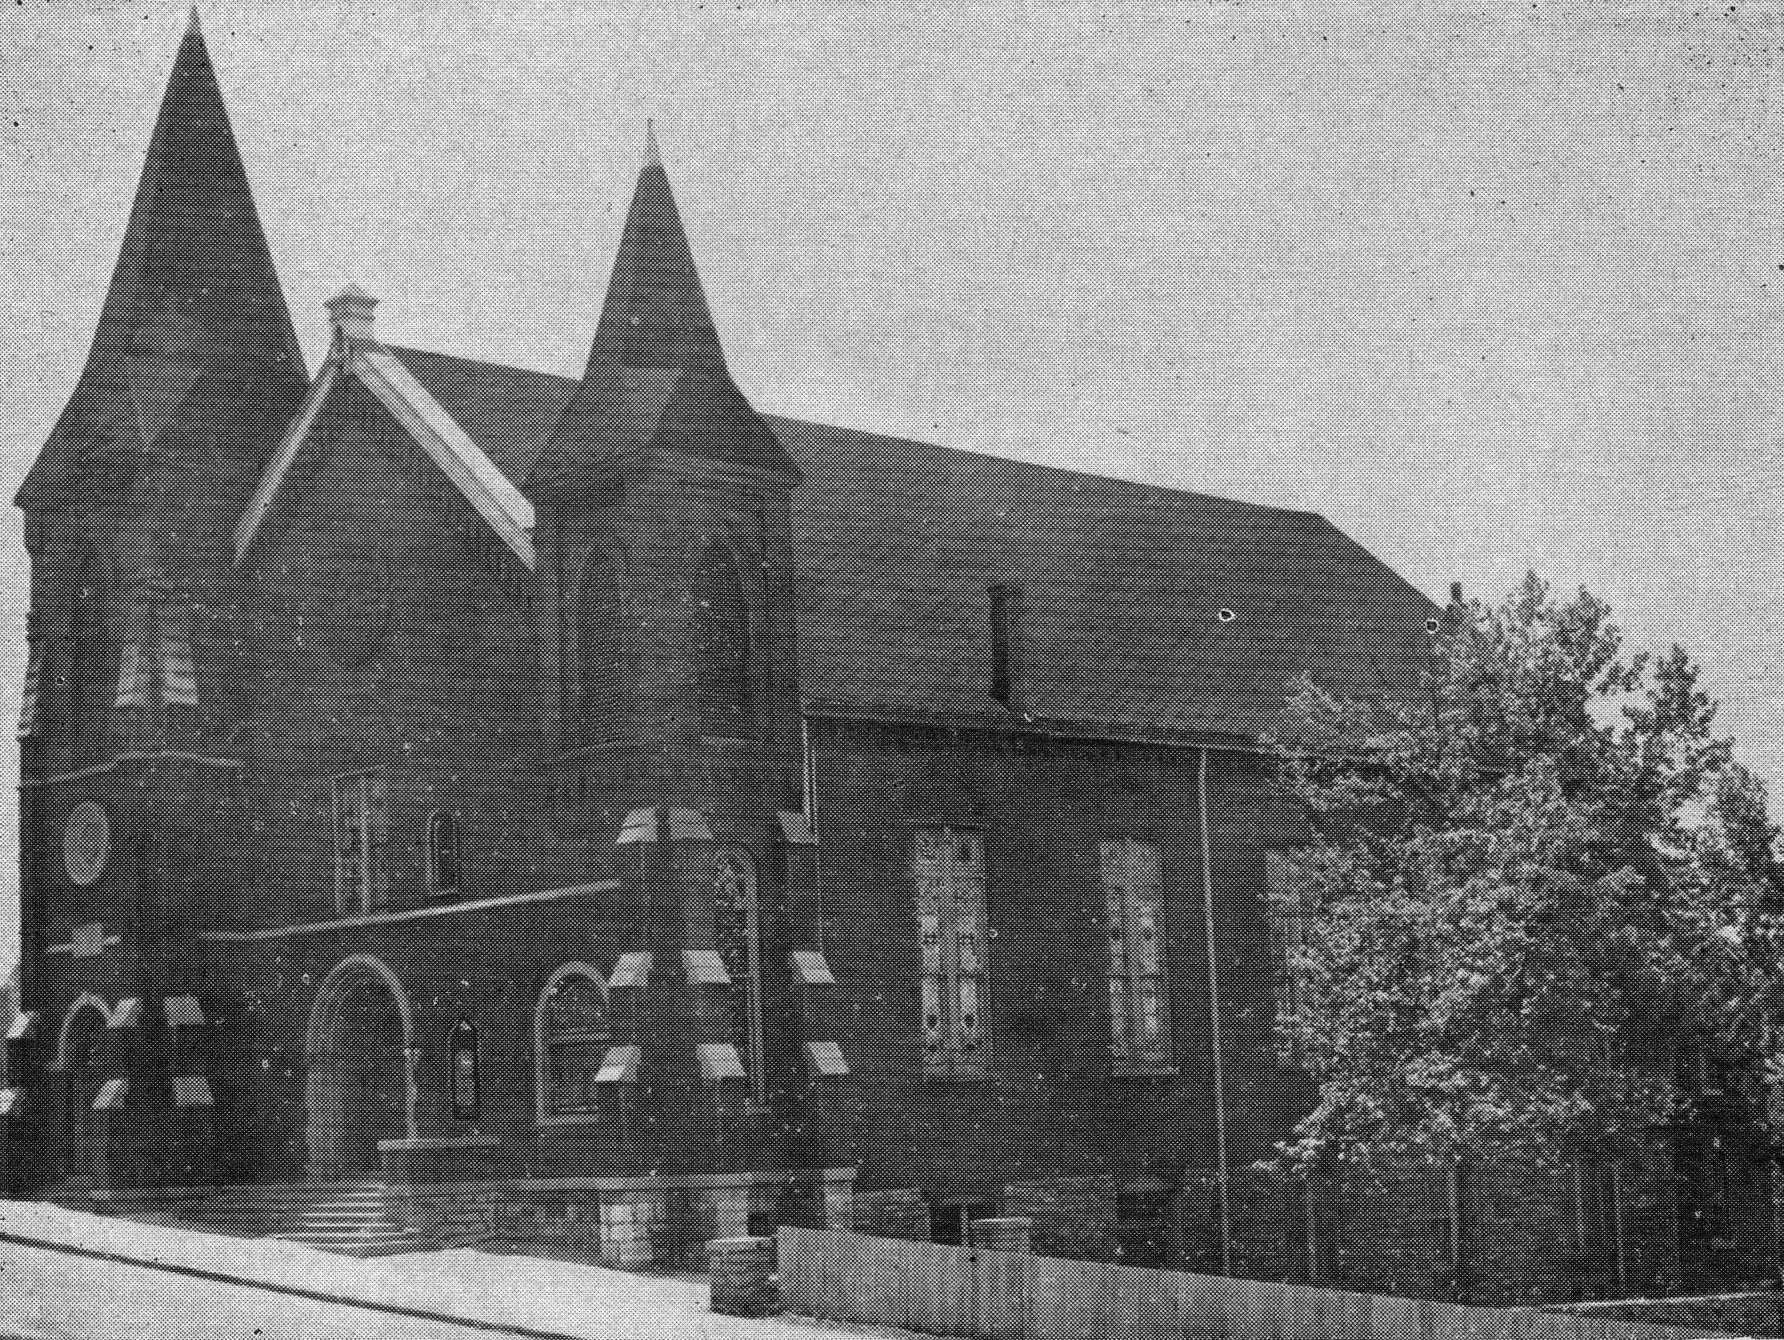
x=955, y=1076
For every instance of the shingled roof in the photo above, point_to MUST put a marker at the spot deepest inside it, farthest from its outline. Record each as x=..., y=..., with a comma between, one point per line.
x=1148, y=610
x=194, y=343
x=656, y=377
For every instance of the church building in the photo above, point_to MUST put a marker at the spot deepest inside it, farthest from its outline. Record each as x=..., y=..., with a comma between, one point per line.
x=594, y=806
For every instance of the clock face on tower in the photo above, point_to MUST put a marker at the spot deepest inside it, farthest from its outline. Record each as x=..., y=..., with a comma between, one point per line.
x=86, y=842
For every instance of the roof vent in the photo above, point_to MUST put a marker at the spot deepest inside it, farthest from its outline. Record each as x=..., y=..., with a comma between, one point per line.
x=351, y=314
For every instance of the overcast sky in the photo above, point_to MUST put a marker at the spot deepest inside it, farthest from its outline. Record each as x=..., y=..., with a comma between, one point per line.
x=1495, y=287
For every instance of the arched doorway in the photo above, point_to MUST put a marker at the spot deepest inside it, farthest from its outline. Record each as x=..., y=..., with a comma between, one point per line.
x=79, y=1052
x=360, y=1084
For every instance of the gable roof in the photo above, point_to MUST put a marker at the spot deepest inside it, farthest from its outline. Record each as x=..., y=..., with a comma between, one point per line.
x=430, y=424
x=194, y=328
x=1124, y=584
x=1144, y=609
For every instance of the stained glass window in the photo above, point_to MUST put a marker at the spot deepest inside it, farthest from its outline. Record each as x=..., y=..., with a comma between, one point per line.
x=573, y=1037
x=948, y=866
x=737, y=931
x=362, y=840
x=1138, y=1012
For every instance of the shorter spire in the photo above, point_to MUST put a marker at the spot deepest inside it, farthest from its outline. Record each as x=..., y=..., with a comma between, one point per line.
x=192, y=24
x=653, y=156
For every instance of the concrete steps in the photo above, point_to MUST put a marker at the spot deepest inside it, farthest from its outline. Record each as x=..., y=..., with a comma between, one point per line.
x=350, y=1219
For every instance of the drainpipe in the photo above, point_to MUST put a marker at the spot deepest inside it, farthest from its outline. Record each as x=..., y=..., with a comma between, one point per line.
x=1222, y=1184
x=808, y=774
x=808, y=779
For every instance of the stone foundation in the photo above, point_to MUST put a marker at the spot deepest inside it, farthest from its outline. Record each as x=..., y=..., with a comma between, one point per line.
x=631, y=1223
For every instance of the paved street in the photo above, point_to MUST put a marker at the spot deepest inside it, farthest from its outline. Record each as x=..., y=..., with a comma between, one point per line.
x=52, y=1294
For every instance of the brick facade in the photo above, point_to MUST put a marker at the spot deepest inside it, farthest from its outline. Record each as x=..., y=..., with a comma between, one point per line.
x=690, y=689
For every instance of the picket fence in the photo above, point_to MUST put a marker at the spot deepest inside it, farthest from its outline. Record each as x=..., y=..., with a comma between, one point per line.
x=996, y=1295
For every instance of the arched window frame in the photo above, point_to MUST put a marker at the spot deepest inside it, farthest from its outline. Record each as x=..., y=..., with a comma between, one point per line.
x=592, y=680
x=738, y=938
x=546, y=1109
x=85, y=1001
x=724, y=652
x=467, y=1097
x=445, y=853
x=80, y=1083
x=90, y=663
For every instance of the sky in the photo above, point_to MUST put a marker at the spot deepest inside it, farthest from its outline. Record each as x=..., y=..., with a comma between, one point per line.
x=1495, y=287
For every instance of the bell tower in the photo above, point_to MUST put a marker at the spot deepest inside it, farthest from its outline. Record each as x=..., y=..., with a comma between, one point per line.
x=674, y=732
x=130, y=726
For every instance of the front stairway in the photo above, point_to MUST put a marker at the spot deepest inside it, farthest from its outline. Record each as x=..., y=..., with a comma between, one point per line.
x=351, y=1218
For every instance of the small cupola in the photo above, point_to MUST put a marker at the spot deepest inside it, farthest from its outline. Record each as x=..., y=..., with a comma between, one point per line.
x=351, y=315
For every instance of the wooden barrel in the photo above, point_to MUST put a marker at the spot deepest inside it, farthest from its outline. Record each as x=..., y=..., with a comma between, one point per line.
x=1014, y=1234
x=744, y=1283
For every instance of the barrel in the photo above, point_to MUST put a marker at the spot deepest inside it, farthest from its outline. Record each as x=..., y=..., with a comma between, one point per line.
x=744, y=1283
x=1013, y=1234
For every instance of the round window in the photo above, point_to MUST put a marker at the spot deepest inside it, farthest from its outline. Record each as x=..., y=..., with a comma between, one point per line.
x=86, y=842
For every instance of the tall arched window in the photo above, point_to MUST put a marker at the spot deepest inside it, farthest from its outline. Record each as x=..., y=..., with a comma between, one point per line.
x=737, y=931
x=445, y=853
x=571, y=1037
x=722, y=646
x=595, y=692
x=88, y=663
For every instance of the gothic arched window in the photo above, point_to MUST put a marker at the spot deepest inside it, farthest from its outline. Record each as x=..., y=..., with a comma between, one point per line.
x=595, y=692
x=445, y=853
x=722, y=645
x=572, y=1034
x=88, y=663
x=737, y=931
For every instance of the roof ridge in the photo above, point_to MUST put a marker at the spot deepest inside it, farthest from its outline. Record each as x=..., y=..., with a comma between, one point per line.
x=785, y=421
x=400, y=350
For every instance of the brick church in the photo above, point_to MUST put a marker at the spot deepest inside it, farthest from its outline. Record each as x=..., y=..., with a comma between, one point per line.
x=593, y=806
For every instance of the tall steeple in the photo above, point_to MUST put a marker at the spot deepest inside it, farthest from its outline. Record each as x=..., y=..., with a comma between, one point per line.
x=656, y=314
x=656, y=375
x=194, y=329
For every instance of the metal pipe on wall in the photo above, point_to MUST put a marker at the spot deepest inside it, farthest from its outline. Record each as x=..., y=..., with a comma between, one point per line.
x=1222, y=1183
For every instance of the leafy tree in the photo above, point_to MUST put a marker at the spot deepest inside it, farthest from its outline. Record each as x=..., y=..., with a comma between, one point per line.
x=1521, y=891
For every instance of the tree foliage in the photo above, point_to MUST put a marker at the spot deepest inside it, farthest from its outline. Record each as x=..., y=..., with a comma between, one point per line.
x=1521, y=892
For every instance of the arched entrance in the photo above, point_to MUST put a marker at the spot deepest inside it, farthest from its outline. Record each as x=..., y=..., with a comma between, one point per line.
x=79, y=1052
x=360, y=1085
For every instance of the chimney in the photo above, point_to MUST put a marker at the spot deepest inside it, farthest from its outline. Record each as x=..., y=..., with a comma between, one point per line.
x=351, y=315
x=1455, y=593
x=1007, y=659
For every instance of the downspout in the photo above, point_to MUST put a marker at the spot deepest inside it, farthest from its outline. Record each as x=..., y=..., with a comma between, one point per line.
x=808, y=780
x=808, y=776
x=1222, y=1183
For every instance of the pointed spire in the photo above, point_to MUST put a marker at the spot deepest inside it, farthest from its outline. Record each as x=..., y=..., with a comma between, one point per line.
x=656, y=376
x=192, y=24
x=195, y=310
x=656, y=314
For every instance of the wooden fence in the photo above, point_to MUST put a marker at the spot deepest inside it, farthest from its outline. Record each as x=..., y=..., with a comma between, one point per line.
x=994, y=1295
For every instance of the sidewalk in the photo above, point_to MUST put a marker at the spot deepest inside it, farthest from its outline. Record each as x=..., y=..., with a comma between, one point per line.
x=517, y=1295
